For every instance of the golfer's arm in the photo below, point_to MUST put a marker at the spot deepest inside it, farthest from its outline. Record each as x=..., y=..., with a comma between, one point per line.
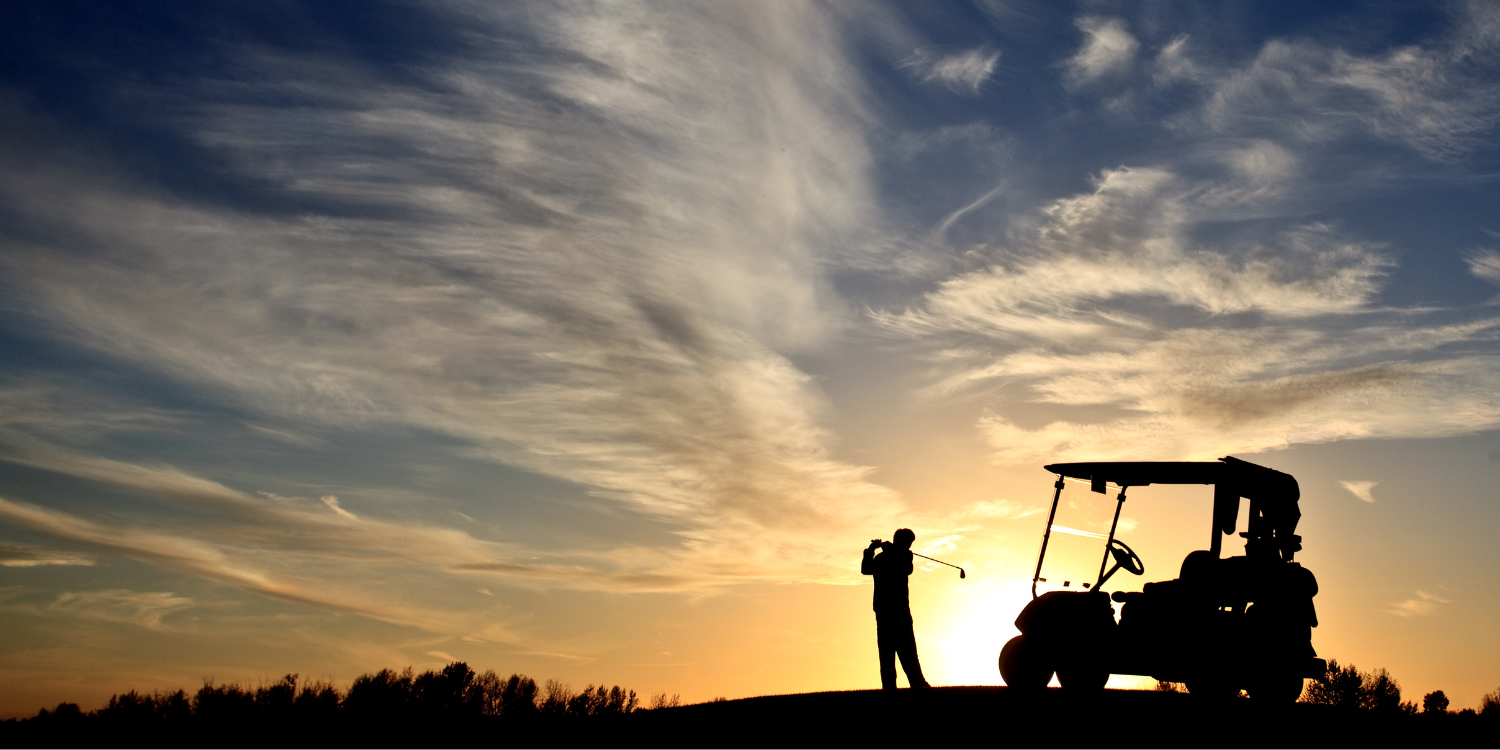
x=867, y=565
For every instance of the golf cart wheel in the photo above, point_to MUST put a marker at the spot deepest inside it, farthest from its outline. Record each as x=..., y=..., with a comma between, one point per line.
x=1021, y=667
x=1082, y=678
x=1277, y=689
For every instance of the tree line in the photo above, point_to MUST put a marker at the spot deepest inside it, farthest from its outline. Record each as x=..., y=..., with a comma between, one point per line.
x=380, y=708
x=1347, y=687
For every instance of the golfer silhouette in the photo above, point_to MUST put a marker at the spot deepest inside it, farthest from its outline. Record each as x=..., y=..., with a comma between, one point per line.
x=893, y=607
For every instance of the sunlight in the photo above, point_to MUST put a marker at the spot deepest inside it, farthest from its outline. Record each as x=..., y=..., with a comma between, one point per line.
x=978, y=622
x=977, y=626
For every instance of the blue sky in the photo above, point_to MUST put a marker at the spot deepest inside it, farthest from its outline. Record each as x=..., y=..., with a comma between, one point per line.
x=571, y=338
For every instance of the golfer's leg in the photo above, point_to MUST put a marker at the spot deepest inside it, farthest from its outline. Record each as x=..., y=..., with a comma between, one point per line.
x=907, y=649
x=887, y=654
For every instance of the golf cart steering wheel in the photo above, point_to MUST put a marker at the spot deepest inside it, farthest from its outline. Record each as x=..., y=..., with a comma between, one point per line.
x=1126, y=558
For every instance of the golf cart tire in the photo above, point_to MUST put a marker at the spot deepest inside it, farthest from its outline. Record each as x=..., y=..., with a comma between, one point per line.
x=1280, y=689
x=1083, y=678
x=1021, y=667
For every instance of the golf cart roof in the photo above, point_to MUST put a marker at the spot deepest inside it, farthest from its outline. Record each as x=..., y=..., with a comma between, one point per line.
x=1250, y=480
x=1273, y=495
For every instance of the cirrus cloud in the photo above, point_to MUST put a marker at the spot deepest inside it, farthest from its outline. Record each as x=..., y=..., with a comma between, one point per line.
x=1107, y=47
x=1191, y=350
x=963, y=71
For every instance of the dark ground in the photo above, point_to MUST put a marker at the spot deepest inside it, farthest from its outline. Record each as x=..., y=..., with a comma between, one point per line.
x=996, y=717
x=939, y=717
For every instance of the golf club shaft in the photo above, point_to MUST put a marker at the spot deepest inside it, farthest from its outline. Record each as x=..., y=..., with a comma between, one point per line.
x=939, y=562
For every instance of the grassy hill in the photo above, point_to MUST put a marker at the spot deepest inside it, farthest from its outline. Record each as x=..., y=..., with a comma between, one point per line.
x=938, y=717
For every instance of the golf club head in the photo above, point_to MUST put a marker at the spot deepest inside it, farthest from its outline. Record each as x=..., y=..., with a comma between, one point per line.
x=962, y=574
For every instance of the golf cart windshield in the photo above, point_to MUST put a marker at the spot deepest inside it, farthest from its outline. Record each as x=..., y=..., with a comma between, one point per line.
x=1076, y=539
x=1082, y=523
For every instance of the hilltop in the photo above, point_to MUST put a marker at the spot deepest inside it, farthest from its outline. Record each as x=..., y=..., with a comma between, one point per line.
x=998, y=717
x=939, y=717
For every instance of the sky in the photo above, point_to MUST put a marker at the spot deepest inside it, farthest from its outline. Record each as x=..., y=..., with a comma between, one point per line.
x=595, y=340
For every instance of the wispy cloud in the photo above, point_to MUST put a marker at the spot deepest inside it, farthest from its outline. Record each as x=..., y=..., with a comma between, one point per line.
x=14, y=555
x=143, y=608
x=1191, y=350
x=1107, y=47
x=1360, y=489
x=1423, y=604
x=995, y=509
x=1485, y=264
x=1300, y=92
x=522, y=304
x=1174, y=63
x=963, y=71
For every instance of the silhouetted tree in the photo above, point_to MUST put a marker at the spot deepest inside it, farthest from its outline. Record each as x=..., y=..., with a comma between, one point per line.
x=138, y=714
x=518, y=697
x=449, y=693
x=1381, y=693
x=275, y=701
x=317, y=702
x=224, y=706
x=379, y=697
x=64, y=719
x=555, y=699
x=660, y=700
x=1339, y=687
x=1435, y=702
x=602, y=702
x=385, y=707
x=1489, y=705
x=489, y=686
x=1348, y=688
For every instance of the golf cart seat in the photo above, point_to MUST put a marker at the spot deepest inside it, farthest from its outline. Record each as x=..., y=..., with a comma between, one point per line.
x=1165, y=606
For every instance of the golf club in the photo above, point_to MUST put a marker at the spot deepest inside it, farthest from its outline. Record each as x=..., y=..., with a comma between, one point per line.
x=961, y=573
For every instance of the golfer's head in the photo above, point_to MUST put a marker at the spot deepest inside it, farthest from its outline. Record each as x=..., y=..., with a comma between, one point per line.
x=903, y=538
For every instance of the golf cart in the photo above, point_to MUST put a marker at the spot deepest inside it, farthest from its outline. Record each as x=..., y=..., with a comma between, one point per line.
x=1224, y=624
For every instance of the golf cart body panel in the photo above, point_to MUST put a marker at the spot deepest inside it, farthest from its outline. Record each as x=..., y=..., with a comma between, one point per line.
x=1242, y=622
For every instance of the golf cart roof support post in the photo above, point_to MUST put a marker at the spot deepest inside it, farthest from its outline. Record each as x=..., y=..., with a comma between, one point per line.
x=1226, y=509
x=1119, y=503
x=1047, y=533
